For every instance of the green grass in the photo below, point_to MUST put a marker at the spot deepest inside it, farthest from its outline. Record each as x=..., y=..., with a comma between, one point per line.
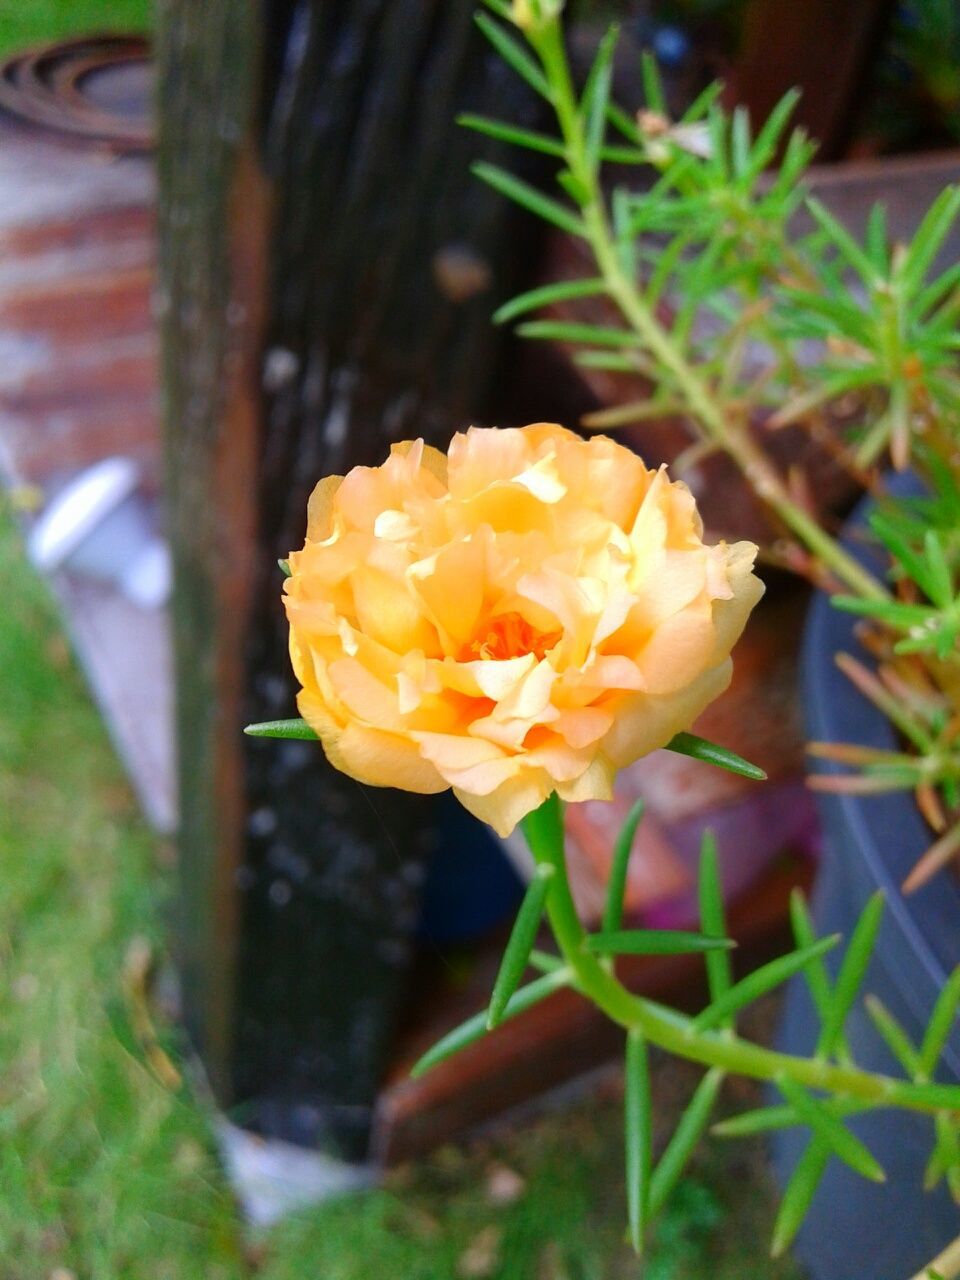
x=108, y=1172
x=28, y=22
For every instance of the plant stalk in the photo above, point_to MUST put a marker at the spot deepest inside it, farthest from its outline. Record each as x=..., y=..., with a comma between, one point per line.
x=702, y=406
x=677, y=1033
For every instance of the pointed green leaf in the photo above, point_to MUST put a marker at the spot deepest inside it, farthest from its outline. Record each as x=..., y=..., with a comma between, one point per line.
x=529, y=197
x=515, y=56
x=800, y=1191
x=685, y=1138
x=516, y=957
x=617, y=882
x=607, y=360
x=821, y=988
x=769, y=1119
x=562, y=291
x=845, y=1145
x=545, y=961
x=596, y=95
x=930, y=235
x=654, y=942
x=653, y=95
x=849, y=250
x=758, y=983
x=713, y=917
x=941, y=1024
x=688, y=744
x=638, y=1134
x=285, y=568
x=563, y=331
x=768, y=138
x=511, y=133
x=853, y=970
x=475, y=1027
x=281, y=729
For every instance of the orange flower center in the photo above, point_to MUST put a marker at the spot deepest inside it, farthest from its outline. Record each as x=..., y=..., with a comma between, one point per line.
x=509, y=635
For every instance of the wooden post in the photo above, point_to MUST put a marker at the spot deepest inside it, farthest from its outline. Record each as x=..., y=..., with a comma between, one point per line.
x=327, y=272
x=824, y=47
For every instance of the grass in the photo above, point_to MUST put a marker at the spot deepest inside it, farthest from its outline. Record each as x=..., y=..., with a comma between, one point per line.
x=28, y=22
x=107, y=1166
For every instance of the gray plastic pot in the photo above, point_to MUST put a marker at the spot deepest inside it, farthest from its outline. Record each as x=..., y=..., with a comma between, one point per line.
x=858, y=1230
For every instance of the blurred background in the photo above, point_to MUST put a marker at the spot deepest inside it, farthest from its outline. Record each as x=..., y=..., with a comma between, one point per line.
x=241, y=248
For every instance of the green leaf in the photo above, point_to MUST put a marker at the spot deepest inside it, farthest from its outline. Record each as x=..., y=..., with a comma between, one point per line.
x=617, y=881
x=758, y=983
x=845, y=1145
x=893, y=1035
x=638, y=1135
x=529, y=197
x=713, y=917
x=516, y=957
x=518, y=137
x=821, y=988
x=547, y=294
x=543, y=830
x=568, y=331
x=606, y=360
x=545, y=961
x=281, y=729
x=470, y=1031
x=515, y=56
x=800, y=1191
x=877, y=238
x=685, y=1139
x=688, y=744
x=853, y=970
x=654, y=942
x=769, y=1119
x=929, y=236
x=596, y=95
x=941, y=1024
x=768, y=138
x=285, y=568
x=849, y=250
x=653, y=95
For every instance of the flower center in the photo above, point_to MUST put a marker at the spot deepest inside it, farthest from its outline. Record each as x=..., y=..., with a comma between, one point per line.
x=509, y=635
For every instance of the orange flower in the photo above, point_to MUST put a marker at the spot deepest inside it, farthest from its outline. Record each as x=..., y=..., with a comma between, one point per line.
x=526, y=615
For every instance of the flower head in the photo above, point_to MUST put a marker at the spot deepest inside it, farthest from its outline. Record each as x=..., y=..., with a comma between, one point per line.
x=525, y=615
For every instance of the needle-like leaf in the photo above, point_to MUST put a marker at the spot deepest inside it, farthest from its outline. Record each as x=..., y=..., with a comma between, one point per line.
x=281, y=729
x=853, y=970
x=824, y=1123
x=529, y=197
x=713, y=917
x=688, y=744
x=476, y=1026
x=638, y=1133
x=617, y=882
x=687, y=1134
x=758, y=983
x=654, y=942
x=800, y=1191
x=516, y=957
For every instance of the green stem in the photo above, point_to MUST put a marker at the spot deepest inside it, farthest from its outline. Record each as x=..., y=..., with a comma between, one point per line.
x=677, y=1033
x=702, y=405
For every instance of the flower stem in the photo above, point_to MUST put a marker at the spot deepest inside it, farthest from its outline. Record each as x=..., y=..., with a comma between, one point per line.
x=677, y=1033
x=703, y=406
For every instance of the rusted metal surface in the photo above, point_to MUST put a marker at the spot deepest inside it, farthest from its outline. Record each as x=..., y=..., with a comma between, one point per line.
x=93, y=89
